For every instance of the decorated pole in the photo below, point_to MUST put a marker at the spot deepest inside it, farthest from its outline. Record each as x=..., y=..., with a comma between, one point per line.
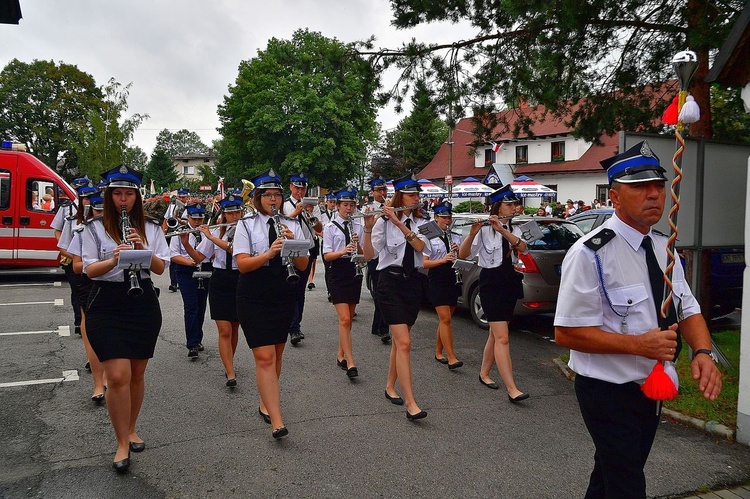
x=662, y=383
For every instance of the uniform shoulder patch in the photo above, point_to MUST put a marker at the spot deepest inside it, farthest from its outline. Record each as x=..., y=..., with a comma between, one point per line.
x=250, y=216
x=153, y=220
x=659, y=232
x=599, y=239
x=94, y=219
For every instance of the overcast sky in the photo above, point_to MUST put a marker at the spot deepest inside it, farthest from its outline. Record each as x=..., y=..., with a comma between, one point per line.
x=181, y=56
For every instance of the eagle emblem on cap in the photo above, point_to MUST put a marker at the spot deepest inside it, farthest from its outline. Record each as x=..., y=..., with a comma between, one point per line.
x=123, y=169
x=198, y=206
x=230, y=198
x=413, y=177
x=272, y=173
x=646, y=150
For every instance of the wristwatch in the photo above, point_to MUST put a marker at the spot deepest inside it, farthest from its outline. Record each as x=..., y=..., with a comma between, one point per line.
x=708, y=352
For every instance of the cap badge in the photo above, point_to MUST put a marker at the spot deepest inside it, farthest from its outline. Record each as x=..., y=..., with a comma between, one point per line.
x=198, y=207
x=231, y=198
x=123, y=169
x=271, y=173
x=646, y=150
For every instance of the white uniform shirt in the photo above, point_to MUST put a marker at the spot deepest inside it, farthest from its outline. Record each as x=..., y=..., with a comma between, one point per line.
x=436, y=250
x=176, y=248
x=582, y=302
x=209, y=249
x=64, y=211
x=326, y=216
x=334, y=239
x=93, y=252
x=251, y=236
x=389, y=242
x=75, y=247
x=488, y=246
x=289, y=206
x=67, y=233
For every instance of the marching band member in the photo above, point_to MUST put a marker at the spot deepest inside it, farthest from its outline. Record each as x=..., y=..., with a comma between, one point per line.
x=395, y=239
x=71, y=245
x=378, y=191
x=194, y=291
x=122, y=325
x=312, y=218
x=265, y=300
x=176, y=209
x=327, y=213
x=222, y=290
x=340, y=241
x=498, y=286
x=444, y=290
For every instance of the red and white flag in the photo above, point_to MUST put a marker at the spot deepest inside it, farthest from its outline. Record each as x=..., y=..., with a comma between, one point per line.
x=496, y=147
x=221, y=187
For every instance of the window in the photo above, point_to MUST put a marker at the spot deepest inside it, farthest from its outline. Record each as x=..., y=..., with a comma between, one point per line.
x=4, y=189
x=188, y=170
x=522, y=154
x=550, y=199
x=558, y=151
x=602, y=193
x=40, y=195
x=489, y=157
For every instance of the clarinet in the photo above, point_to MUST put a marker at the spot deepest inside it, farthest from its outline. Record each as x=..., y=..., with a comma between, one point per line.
x=292, y=276
x=459, y=280
x=135, y=287
x=358, y=272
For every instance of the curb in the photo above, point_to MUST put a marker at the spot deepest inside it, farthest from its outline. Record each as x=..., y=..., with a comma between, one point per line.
x=710, y=427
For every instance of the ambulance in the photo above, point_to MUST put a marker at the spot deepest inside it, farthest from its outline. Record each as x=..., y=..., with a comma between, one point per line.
x=31, y=193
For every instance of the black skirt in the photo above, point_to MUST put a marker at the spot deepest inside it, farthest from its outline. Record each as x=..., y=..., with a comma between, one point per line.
x=399, y=296
x=495, y=291
x=443, y=289
x=121, y=326
x=265, y=304
x=343, y=283
x=84, y=289
x=222, y=295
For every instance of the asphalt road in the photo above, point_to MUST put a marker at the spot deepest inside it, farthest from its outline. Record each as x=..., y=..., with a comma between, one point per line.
x=346, y=439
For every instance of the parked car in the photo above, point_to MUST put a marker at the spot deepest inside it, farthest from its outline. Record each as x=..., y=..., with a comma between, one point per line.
x=726, y=265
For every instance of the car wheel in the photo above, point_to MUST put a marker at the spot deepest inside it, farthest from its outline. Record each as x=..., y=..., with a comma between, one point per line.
x=477, y=312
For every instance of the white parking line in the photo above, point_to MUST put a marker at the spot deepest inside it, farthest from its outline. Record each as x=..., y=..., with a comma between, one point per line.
x=61, y=331
x=67, y=376
x=56, y=284
x=58, y=303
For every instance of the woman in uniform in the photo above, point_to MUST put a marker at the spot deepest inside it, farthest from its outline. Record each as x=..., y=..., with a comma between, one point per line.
x=498, y=286
x=341, y=238
x=265, y=295
x=122, y=324
x=394, y=239
x=222, y=290
x=439, y=258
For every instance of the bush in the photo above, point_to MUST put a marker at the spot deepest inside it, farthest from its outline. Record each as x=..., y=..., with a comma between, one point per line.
x=469, y=207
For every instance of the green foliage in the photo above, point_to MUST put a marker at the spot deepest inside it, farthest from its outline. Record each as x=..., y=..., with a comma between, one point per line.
x=730, y=121
x=469, y=207
x=555, y=53
x=305, y=104
x=134, y=157
x=45, y=106
x=161, y=171
x=180, y=143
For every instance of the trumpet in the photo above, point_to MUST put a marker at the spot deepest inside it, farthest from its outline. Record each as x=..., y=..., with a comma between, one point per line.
x=381, y=211
x=357, y=259
x=181, y=228
x=292, y=276
x=247, y=188
x=135, y=287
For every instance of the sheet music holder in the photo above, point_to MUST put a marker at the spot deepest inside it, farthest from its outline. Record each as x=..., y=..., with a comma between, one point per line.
x=531, y=232
x=293, y=248
x=135, y=259
x=431, y=229
x=463, y=264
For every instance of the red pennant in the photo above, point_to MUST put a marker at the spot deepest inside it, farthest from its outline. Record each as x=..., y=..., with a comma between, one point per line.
x=658, y=385
x=669, y=117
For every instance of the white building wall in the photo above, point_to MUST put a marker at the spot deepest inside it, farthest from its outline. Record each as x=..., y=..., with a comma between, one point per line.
x=571, y=186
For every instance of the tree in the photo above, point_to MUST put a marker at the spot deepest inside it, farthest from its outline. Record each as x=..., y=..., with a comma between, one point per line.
x=305, y=104
x=180, y=143
x=730, y=121
x=557, y=52
x=44, y=105
x=134, y=157
x=160, y=170
x=102, y=143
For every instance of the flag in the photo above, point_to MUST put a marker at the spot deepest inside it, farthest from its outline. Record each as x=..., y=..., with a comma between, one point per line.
x=496, y=147
x=221, y=187
x=152, y=191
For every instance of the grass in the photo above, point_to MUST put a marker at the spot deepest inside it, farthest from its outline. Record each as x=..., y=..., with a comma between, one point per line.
x=691, y=402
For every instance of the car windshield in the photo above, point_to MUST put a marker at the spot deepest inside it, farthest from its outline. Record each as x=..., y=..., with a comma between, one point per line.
x=556, y=236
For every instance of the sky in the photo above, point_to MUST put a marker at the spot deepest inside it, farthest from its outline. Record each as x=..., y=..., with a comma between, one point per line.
x=182, y=56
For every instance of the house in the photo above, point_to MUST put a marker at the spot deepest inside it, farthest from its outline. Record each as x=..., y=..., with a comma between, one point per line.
x=188, y=166
x=551, y=155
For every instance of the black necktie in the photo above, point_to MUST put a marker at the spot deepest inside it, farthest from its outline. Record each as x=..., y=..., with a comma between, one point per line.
x=230, y=238
x=347, y=239
x=197, y=238
x=447, y=242
x=272, y=236
x=656, y=279
x=408, y=263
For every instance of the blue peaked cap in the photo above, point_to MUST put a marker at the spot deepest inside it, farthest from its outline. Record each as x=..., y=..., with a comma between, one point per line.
x=407, y=183
x=637, y=164
x=267, y=180
x=444, y=208
x=123, y=176
x=231, y=203
x=348, y=194
x=195, y=209
x=376, y=182
x=299, y=179
x=504, y=194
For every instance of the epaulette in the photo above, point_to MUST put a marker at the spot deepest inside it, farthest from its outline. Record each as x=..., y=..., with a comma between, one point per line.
x=71, y=217
x=153, y=220
x=93, y=219
x=659, y=232
x=79, y=228
x=455, y=233
x=600, y=239
x=250, y=216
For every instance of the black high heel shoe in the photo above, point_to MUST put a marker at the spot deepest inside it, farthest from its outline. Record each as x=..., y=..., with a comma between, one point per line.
x=419, y=415
x=352, y=372
x=266, y=417
x=98, y=399
x=280, y=432
x=123, y=465
x=137, y=446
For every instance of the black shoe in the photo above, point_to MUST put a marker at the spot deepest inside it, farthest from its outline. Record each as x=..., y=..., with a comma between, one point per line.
x=87, y=366
x=193, y=353
x=442, y=360
x=455, y=365
x=296, y=337
x=231, y=383
x=201, y=347
x=341, y=363
x=518, y=398
x=98, y=399
x=301, y=335
x=173, y=289
x=394, y=400
x=385, y=337
x=78, y=330
x=419, y=415
x=491, y=384
x=265, y=416
x=311, y=285
x=280, y=432
x=137, y=446
x=122, y=466
x=352, y=372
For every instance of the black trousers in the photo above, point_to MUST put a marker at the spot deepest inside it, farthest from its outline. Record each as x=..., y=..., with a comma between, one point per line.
x=378, y=323
x=622, y=423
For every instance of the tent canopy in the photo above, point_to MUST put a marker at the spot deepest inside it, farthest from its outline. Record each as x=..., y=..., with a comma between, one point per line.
x=527, y=187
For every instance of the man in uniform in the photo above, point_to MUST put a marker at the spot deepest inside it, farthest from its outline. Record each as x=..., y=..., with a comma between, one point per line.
x=378, y=191
x=293, y=208
x=175, y=210
x=610, y=292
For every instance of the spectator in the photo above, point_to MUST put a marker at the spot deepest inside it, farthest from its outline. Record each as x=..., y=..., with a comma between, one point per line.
x=570, y=208
x=541, y=212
